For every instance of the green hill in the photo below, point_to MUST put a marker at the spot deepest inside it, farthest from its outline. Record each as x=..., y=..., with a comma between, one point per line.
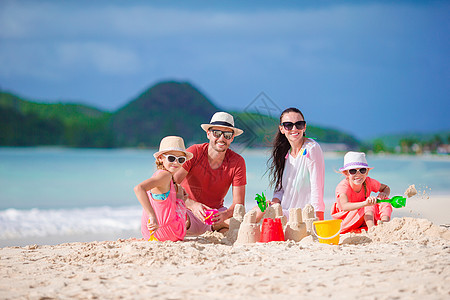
x=167, y=108
x=261, y=129
x=27, y=123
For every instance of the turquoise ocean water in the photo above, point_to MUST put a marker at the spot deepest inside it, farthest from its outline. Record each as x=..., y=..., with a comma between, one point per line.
x=62, y=192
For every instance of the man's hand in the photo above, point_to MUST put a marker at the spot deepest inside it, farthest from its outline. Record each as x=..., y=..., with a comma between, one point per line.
x=220, y=217
x=197, y=208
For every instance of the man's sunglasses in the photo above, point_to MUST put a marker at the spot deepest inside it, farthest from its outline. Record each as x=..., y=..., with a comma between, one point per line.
x=353, y=171
x=226, y=134
x=289, y=125
x=172, y=158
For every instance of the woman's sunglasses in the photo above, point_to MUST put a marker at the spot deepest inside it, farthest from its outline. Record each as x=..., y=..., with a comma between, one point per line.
x=226, y=134
x=353, y=171
x=171, y=158
x=289, y=125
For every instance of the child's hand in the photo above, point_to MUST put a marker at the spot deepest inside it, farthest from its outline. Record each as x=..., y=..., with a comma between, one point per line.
x=371, y=200
x=181, y=193
x=152, y=224
x=382, y=195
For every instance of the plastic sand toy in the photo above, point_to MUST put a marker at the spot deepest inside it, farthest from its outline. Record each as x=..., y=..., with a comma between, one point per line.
x=209, y=213
x=271, y=230
x=262, y=201
x=396, y=201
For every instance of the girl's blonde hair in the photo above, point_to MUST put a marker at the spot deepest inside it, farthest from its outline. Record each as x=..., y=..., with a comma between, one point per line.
x=160, y=164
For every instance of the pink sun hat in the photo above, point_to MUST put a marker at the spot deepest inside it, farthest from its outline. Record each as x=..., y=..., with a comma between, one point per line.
x=354, y=160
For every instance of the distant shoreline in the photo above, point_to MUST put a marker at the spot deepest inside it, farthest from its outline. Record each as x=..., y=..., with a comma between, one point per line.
x=327, y=154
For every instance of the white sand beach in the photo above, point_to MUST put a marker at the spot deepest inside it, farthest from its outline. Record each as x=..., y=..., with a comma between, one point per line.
x=407, y=258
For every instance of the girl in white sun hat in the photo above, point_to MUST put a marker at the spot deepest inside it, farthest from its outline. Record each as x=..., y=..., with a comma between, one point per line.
x=354, y=205
x=162, y=200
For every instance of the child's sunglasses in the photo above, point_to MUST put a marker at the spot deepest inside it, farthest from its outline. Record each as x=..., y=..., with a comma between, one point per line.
x=289, y=125
x=172, y=158
x=226, y=134
x=353, y=171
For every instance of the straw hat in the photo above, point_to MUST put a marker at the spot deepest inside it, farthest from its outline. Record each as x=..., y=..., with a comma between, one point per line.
x=354, y=160
x=173, y=143
x=222, y=119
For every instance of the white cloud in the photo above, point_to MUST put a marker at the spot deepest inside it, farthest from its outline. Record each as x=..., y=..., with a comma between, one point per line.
x=132, y=38
x=105, y=58
x=58, y=60
x=88, y=20
x=25, y=60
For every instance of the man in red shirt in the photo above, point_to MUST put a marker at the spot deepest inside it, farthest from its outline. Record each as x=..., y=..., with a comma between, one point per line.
x=208, y=176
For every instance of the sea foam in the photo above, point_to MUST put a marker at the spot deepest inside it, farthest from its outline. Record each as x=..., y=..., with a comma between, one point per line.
x=16, y=223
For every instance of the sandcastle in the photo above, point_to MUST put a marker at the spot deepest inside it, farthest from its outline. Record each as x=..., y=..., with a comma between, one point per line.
x=295, y=229
x=275, y=212
x=235, y=222
x=309, y=217
x=269, y=213
x=249, y=231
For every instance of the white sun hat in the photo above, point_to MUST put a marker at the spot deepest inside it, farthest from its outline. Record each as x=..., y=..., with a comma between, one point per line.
x=222, y=119
x=173, y=143
x=354, y=160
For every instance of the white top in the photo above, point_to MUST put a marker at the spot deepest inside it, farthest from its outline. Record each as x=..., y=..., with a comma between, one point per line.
x=303, y=179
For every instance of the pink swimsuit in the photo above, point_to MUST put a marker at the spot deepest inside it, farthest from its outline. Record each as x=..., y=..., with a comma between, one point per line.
x=171, y=216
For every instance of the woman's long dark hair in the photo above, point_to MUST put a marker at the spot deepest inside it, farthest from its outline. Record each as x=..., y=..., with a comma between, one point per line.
x=280, y=148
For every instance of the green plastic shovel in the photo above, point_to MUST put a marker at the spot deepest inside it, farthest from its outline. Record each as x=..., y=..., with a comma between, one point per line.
x=396, y=201
x=262, y=202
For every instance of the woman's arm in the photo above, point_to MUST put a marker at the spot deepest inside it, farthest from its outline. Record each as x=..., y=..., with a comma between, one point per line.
x=317, y=179
x=275, y=200
x=278, y=195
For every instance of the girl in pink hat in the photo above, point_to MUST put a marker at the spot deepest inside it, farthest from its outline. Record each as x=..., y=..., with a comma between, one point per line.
x=164, y=211
x=354, y=205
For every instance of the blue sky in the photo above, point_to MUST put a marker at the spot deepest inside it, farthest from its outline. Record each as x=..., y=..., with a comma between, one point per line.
x=365, y=67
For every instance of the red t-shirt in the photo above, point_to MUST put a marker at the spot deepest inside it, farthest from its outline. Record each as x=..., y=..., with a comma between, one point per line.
x=209, y=186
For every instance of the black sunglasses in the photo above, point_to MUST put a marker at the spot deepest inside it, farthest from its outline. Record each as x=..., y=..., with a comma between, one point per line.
x=289, y=125
x=226, y=134
x=172, y=158
x=353, y=171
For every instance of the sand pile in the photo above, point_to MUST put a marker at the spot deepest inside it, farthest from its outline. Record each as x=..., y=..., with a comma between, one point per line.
x=406, y=258
x=399, y=229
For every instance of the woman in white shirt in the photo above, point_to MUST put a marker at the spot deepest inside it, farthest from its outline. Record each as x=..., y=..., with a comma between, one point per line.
x=297, y=167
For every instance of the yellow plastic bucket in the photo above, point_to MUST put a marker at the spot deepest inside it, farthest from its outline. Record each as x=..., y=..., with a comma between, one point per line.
x=327, y=231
